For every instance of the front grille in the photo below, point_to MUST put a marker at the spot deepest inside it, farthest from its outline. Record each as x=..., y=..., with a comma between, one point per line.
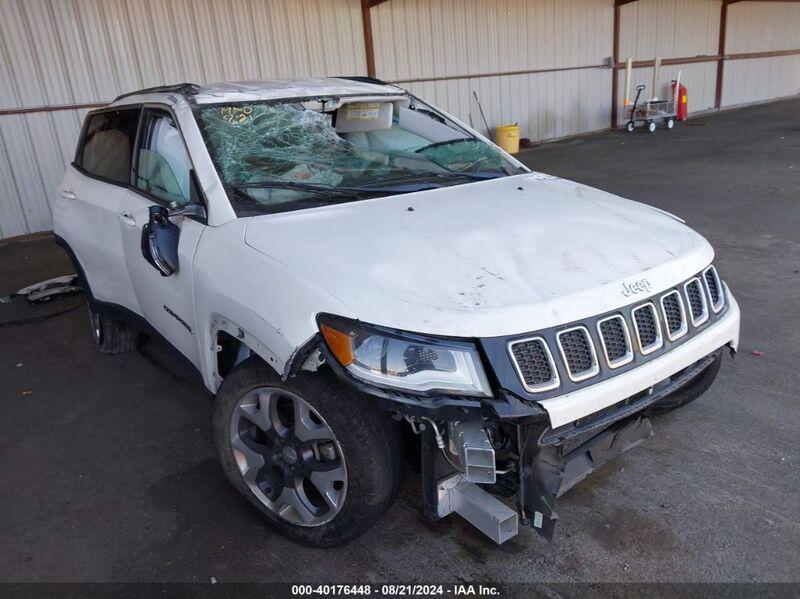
x=714, y=288
x=697, y=301
x=534, y=364
x=672, y=308
x=616, y=341
x=621, y=339
x=578, y=353
x=645, y=320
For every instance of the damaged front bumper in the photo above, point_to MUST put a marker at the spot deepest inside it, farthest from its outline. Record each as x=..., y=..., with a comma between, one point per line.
x=548, y=461
x=543, y=447
x=545, y=476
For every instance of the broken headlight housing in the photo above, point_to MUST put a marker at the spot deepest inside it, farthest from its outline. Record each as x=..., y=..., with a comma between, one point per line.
x=404, y=361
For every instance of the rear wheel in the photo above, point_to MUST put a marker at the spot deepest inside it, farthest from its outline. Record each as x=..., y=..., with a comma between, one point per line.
x=691, y=390
x=112, y=336
x=651, y=126
x=630, y=127
x=319, y=461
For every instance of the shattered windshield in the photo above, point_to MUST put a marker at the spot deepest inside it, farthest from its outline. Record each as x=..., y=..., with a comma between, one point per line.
x=282, y=156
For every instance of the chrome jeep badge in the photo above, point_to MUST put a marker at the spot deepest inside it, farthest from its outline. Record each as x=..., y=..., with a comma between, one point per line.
x=629, y=289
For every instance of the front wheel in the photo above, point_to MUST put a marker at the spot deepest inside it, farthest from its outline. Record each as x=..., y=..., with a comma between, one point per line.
x=651, y=126
x=320, y=462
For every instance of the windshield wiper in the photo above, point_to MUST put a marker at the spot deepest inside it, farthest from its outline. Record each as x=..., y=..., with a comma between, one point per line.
x=328, y=190
x=423, y=182
x=477, y=175
x=428, y=180
x=339, y=192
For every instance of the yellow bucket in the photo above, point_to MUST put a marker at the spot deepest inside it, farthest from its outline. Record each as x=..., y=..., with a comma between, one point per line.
x=507, y=137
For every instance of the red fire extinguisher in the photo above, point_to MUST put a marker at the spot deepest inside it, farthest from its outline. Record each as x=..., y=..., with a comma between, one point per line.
x=682, y=100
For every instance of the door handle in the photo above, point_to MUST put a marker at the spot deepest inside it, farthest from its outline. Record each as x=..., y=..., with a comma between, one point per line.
x=127, y=218
x=68, y=194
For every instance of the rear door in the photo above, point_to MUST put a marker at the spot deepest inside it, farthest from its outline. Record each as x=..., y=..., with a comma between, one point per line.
x=162, y=176
x=86, y=206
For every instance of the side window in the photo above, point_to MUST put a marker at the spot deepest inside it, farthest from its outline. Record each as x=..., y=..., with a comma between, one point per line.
x=107, y=146
x=162, y=164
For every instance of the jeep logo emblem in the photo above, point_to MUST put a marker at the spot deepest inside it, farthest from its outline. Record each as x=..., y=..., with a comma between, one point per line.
x=629, y=289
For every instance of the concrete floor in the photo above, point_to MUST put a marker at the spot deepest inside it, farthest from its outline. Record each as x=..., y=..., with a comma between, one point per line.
x=108, y=469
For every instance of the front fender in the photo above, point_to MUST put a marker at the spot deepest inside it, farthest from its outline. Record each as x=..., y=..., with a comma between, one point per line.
x=253, y=298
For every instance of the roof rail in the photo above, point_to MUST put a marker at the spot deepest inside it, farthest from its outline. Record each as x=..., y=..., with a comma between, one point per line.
x=184, y=89
x=364, y=79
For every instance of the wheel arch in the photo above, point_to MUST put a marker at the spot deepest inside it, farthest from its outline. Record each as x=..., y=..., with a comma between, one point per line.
x=232, y=344
x=76, y=264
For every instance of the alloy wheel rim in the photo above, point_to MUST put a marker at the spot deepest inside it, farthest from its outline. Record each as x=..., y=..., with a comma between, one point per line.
x=288, y=456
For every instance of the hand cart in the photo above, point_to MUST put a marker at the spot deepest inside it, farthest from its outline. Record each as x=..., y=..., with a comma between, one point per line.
x=647, y=113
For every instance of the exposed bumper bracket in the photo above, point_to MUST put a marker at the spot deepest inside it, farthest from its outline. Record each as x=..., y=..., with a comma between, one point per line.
x=548, y=474
x=485, y=512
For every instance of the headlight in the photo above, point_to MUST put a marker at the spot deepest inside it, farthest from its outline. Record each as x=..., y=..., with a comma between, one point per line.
x=403, y=361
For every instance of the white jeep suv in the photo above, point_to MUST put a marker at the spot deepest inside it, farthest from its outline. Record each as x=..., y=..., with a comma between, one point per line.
x=359, y=278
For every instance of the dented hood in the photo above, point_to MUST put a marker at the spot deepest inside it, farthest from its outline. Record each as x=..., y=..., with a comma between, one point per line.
x=489, y=258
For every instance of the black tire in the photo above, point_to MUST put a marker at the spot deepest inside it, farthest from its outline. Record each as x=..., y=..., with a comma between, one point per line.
x=691, y=390
x=112, y=336
x=370, y=442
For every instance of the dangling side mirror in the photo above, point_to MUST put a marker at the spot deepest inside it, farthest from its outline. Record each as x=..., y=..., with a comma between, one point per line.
x=160, y=236
x=160, y=241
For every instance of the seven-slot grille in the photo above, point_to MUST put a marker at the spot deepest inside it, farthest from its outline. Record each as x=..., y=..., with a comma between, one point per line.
x=620, y=336
x=578, y=353
x=615, y=340
x=534, y=364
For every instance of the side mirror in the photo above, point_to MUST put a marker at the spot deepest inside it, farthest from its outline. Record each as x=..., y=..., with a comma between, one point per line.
x=160, y=241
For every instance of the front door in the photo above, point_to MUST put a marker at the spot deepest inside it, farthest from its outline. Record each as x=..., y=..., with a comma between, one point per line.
x=86, y=206
x=162, y=176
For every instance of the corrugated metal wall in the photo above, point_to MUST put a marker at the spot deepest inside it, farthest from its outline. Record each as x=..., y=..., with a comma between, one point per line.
x=422, y=39
x=756, y=27
x=84, y=51
x=56, y=52
x=671, y=29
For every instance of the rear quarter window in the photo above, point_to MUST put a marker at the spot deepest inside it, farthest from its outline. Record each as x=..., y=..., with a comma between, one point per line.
x=107, y=145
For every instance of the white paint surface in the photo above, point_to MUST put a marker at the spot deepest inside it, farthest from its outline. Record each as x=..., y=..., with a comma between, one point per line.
x=496, y=257
x=483, y=259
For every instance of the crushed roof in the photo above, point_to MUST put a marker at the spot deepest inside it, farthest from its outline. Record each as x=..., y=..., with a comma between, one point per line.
x=244, y=91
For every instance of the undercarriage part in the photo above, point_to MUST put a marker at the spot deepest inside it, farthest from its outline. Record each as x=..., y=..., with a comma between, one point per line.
x=547, y=473
x=434, y=467
x=313, y=361
x=475, y=452
x=485, y=512
x=602, y=449
x=51, y=288
x=436, y=433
